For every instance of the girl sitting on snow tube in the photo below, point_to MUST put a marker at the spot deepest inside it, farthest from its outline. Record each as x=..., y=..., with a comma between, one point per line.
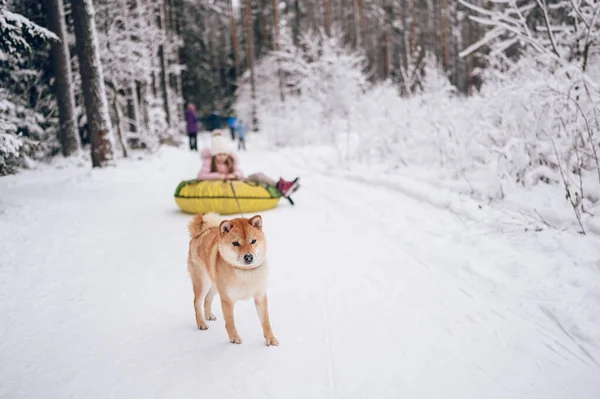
x=220, y=163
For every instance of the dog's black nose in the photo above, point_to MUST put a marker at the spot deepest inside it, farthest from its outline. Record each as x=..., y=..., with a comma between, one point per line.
x=248, y=258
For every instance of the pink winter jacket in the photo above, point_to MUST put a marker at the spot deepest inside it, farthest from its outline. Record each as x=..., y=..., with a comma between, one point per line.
x=206, y=174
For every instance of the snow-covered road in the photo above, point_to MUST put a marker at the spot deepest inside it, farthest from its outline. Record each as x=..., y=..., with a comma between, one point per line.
x=373, y=294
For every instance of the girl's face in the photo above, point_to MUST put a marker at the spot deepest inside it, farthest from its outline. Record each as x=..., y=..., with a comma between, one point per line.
x=221, y=158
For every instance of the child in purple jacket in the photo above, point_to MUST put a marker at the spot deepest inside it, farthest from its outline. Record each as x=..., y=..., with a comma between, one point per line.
x=191, y=120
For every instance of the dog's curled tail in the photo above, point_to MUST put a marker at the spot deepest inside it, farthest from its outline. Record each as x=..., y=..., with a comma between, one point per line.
x=200, y=223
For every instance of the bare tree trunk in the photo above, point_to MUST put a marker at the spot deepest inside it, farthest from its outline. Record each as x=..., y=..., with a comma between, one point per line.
x=470, y=59
x=436, y=46
x=446, y=38
x=363, y=21
x=141, y=93
x=310, y=23
x=63, y=84
x=219, y=58
x=431, y=32
x=297, y=22
x=234, y=40
x=134, y=111
x=173, y=57
x=178, y=80
x=133, y=108
x=386, y=53
x=276, y=43
x=329, y=16
x=250, y=59
x=413, y=30
x=92, y=83
x=405, y=48
x=355, y=19
x=163, y=62
x=263, y=43
x=177, y=20
x=117, y=109
x=171, y=20
x=343, y=18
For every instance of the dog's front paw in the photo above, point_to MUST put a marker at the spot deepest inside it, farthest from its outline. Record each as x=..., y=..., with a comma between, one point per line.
x=211, y=317
x=202, y=326
x=272, y=341
x=235, y=339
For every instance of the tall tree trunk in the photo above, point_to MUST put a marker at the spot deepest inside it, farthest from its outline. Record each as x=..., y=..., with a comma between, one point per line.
x=342, y=10
x=141, y=92
x=356, y=23
x=250, y=59
x=117, y=109
x=446, y=35
x=310, y=15
x=163, y=62
x=276, y=43
x=437, y=36
x=63, y=83
x=171, y=20
x=263, y=43
x=329, y=16
x=405, y=48
x=394, y=41
x=133, y=110
x=363, y=21
x=234, y=40
x=222, y=56
x=413, y=30
x=430, y=33
x=386, y=53
x=175, y=57
x=297, y=22
x=92, y=83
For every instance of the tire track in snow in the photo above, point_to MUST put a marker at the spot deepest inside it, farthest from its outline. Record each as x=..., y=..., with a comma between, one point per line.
x=556, y=321
x=327, y=333
x=346, y=206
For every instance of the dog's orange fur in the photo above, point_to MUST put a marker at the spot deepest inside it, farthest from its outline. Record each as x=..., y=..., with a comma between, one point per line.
x=216, y=265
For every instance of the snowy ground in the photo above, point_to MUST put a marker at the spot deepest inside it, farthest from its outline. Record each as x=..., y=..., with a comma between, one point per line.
x=376, y=290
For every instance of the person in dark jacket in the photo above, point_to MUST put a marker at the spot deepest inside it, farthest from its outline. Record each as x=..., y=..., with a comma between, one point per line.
x=213, y=121
x=191, y=120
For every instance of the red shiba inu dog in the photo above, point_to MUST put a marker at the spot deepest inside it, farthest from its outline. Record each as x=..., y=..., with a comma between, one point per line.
x=229, y=257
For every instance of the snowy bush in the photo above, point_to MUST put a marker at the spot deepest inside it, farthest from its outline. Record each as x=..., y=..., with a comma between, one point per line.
x=526, y=127
x=26, y=134
x=322, y=82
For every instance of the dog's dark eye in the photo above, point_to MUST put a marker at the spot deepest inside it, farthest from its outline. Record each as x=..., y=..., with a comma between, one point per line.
x=236, y=244
x=253, y=242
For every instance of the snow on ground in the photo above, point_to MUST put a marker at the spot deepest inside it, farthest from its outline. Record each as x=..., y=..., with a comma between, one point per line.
x=378, y=288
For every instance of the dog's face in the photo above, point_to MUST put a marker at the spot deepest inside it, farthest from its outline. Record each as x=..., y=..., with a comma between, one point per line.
x=242, y=242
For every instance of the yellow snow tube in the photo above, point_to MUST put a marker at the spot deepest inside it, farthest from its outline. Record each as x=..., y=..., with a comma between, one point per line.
x=194, y=196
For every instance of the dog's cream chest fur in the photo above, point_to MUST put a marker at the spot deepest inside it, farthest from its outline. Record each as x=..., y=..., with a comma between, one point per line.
x=249, y=283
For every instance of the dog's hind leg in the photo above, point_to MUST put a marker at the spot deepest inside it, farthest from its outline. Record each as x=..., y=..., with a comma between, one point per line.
x=201, y=289
x=208, y=303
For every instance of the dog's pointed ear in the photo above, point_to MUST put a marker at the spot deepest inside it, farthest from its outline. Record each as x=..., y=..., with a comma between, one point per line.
x=225, y=227
x=256, y=222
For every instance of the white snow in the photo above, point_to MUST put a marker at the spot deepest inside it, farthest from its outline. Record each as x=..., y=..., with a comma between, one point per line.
x=379, y=287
